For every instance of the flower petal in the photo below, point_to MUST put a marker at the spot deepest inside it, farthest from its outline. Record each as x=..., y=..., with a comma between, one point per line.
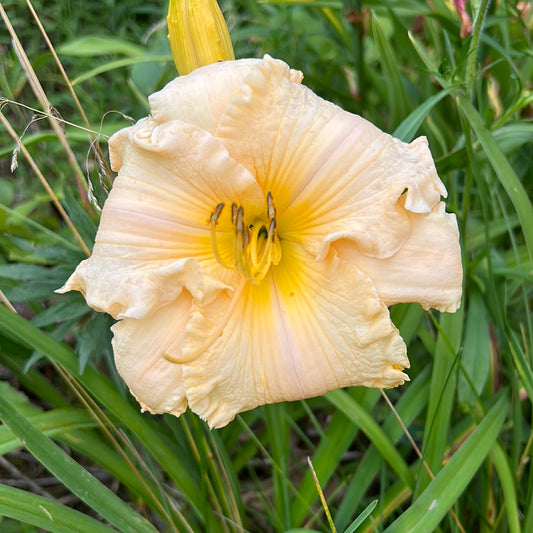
x=201, y=97
x=125, y=288
x=427, y=269
x=308, y=328
x=332, y=174
x=156, y=218
x=140, y=347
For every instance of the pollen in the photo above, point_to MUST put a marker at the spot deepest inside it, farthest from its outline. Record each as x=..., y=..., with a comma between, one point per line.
x=255, y=244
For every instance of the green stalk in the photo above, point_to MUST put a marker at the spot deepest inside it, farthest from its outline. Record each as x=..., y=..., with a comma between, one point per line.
x=477, y=28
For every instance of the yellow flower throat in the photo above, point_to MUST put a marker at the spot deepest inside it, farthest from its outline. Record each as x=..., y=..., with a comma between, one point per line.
x=254, y=246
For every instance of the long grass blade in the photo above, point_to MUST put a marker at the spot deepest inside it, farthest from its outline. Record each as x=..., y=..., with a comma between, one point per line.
x=441, y=396
x=72, y=475
x=43, y=513
x=432, y=505
x=505, y=173
x=342, y=400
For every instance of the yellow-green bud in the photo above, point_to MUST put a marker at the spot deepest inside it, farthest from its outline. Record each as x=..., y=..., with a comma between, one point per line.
x=198, y=34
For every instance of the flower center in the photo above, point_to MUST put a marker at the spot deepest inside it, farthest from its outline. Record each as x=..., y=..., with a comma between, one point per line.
x=254, y=245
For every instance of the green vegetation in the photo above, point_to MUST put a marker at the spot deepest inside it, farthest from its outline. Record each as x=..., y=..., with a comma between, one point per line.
x=76, y=453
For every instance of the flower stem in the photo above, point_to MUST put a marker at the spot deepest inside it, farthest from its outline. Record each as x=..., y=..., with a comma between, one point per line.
x=474, y=43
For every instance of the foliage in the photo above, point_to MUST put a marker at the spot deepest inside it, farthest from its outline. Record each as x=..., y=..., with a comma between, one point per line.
x=451, y=455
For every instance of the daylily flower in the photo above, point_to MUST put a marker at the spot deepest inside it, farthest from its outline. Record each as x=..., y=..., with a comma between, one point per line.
x=253, y=239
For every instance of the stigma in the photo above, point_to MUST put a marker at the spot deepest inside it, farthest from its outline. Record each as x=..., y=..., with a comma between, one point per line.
x=255, y=244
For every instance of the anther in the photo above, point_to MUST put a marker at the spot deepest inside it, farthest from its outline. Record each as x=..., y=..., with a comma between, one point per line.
x=240, y=228
x=271, y=210
x=255, y=247
x=216, y=213
x=272, y=230
x=239, y=223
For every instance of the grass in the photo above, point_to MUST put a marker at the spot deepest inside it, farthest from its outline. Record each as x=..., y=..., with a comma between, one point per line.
x=448, y=452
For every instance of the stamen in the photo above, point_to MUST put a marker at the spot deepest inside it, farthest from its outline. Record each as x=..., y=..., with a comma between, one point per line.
x=216, y=213
x=213, y=219
x=240, y=243
x=271, y=210
x=272, y=229
x=255, y=246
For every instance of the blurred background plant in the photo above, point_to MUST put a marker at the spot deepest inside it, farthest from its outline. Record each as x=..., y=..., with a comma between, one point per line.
x=76, y=454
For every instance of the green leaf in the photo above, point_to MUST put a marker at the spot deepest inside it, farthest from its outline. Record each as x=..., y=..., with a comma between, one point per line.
x=50, y=423
x=95, y=339
x=66, y=309
x=334, y=4
x=24, y=272
x=15, y=358
x=37, y=229
x=362, y=517
x=336, y=440
x=441, y=394
x=397, y=95
x=279, y=429
x=507, y=481
x=73, y=427
x=46, y=514
x=475, y=358
x=343, y=401
x=119, y=63
x=427, y=511
x=410, y=124
x=409, y=406
x=97, y=46
x=505, y=173
x=301, y=530
x=522, y=364
x=72, y=475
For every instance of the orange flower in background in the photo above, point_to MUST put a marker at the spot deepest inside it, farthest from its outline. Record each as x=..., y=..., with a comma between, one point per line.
x=253, y=239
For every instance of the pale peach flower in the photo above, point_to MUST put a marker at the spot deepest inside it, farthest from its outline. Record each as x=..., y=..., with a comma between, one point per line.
x=252, y=242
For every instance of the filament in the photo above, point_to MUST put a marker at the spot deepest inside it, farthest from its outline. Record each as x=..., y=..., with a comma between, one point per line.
x=255, y=247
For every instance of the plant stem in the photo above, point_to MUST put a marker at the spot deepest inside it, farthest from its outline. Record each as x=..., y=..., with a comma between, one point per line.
x=477, y=27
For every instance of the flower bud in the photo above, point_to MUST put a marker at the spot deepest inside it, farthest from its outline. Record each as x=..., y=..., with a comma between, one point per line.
x=198, y=34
